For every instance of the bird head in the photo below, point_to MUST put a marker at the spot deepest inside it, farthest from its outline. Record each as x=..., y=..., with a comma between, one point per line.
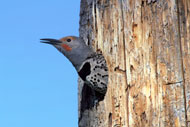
x=74, y=48
x=65, y=44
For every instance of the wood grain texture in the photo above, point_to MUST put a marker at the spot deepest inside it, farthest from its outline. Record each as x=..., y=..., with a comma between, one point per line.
x=146, y=44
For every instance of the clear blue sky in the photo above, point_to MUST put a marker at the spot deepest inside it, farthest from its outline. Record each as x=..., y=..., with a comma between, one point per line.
x=38, y=85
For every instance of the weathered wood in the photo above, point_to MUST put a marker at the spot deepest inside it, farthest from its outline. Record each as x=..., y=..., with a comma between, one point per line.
x=147, y=47
x=184, y=30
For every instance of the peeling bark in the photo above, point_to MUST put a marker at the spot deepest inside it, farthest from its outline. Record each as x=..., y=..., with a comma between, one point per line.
x=146, y=44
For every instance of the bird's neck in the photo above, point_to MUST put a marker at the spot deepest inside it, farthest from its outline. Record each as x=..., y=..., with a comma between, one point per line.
x=79, y=57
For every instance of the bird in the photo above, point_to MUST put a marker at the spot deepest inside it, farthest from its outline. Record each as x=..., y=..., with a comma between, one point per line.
x=90, y=65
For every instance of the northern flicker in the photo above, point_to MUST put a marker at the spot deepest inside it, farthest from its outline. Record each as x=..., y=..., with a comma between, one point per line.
x=91, y=66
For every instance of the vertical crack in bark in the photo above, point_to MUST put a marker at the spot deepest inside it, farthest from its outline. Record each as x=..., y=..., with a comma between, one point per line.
x=124, y=46
x=182, y=64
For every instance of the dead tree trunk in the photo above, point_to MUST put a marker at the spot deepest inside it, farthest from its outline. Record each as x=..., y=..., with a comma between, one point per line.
x=147, y=47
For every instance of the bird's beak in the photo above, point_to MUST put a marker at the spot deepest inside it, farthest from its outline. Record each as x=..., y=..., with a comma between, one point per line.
x=50, y=41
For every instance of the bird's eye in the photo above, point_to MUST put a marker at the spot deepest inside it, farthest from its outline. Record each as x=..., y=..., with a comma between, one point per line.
x=68, y=40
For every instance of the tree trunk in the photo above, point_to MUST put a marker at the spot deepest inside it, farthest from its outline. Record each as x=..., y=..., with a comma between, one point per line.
x=146, y=44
